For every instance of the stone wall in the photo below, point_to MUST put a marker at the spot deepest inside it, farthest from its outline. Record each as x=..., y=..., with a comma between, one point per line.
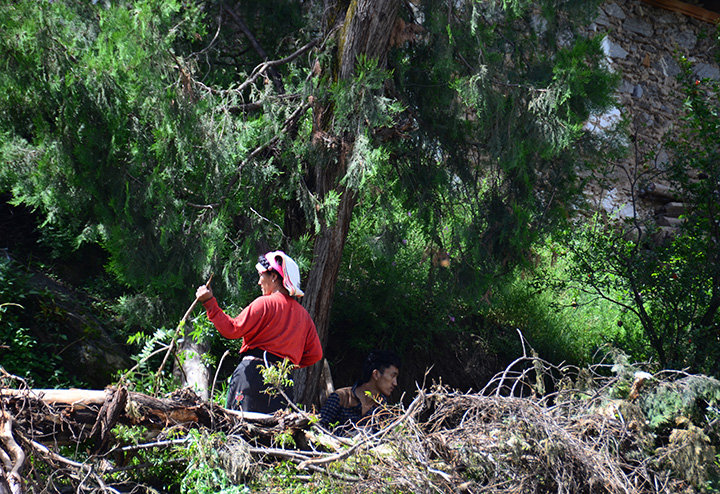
x=643, y=44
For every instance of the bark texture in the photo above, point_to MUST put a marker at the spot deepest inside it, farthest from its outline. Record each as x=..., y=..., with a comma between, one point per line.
x=366, y=30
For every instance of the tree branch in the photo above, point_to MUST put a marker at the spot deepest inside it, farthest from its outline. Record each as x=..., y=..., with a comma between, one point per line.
x=339, y=456
x=274, y=75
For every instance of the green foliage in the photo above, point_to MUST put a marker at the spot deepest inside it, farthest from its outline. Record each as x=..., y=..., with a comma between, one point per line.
x=104, y=136
x=125, y=125
x=196, y=462
x=154, y=467
x=284, y=478
x=19, y=356
x=143, y=377
x=569, y=316
x=696, y=398
x=390, y=293
x=669, y=284
x=358, y=102
x=500, y=108
x=277, y=376
x=26, y=352
x=215, y=465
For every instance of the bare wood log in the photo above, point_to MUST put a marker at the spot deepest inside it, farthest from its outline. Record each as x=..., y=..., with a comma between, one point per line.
x=6, y=461
x=669, y=221
x=108, y=416
x=672, y=209
x=686, y=8
x=64, y=415
x=658, y=192
x=15, y=453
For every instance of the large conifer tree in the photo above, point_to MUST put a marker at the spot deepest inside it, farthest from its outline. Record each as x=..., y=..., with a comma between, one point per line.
x=188, y=137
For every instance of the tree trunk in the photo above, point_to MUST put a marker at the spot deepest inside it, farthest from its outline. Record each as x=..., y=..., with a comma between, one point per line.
x=190, y=370
x=195, y=373
x=327, y=254
x=366, y=30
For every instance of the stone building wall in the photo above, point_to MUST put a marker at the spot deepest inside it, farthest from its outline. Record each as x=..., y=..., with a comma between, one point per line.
x=643, y=44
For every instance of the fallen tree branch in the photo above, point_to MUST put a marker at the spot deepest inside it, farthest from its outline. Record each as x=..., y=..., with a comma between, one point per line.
x=420, y=398
x=15, y=454
x=81, y=467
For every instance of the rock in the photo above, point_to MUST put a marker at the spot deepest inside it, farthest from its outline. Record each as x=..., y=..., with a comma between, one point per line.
x=626, y=87
x=685, y=40
x=627, y=211
x=637, y=26
x=706, y=71
x=613, y=10
x=666, y=19
x=538, y=23
x=602, y=19
x=565, y=38
x=609, y=202
x=668, y=66
x=613, y=50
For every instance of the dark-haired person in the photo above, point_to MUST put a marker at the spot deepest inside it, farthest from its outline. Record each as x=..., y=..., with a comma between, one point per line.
x=273, y=327
x=356, y=404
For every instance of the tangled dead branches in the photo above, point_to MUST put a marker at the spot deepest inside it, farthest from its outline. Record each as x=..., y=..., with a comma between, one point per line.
x=534, y=430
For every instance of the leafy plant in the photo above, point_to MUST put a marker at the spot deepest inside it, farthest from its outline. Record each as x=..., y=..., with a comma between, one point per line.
x=668, y=283
x=214, y=464
x=25, y=313
x=694, y=397
x=277, y=376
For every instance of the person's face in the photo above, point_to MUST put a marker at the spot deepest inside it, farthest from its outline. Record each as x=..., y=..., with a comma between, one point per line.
x=267, y=285
x=386, y=382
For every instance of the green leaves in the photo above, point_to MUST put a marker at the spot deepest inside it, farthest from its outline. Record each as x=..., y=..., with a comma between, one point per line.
x=502, y=108
x=115, y=146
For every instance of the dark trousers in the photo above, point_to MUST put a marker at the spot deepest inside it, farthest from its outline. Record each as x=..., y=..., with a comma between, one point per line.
x=247, y=390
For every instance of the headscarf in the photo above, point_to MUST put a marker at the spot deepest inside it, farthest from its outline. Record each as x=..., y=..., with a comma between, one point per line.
x=286, y=267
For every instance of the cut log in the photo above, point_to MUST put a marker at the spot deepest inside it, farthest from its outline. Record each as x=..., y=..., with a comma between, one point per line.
x=688, y=9
x=671, y=209
x=659, y=192
x=669, y=221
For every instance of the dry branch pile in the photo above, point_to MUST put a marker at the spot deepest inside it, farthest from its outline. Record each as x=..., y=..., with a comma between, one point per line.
x=577, y=438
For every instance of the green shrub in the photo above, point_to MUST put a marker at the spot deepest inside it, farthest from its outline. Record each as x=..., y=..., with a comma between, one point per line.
x=694, y=397
x=22, y=353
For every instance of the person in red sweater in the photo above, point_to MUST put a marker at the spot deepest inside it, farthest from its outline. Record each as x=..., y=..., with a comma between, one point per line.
x=273, y=327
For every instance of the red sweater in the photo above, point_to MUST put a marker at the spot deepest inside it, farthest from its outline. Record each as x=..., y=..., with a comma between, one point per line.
x=275, y=323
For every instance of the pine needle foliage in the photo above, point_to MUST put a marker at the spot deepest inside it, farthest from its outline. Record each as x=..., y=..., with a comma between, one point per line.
x=106, y=138
x=146, y=127
x=501, y=106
